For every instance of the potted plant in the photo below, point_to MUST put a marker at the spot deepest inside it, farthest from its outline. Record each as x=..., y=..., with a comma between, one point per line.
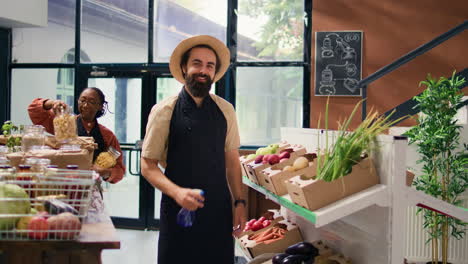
x=12, y=141
x=444, y=166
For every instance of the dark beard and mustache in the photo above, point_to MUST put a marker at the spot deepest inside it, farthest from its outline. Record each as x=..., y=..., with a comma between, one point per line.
x=196, y=88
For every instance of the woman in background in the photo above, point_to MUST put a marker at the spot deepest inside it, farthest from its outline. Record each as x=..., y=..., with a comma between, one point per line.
x=92, y=104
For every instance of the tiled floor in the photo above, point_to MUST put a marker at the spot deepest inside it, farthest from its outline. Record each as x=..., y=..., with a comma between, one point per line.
x=136, y=247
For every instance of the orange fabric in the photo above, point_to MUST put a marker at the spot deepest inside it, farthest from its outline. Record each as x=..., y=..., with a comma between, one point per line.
x=40, y=116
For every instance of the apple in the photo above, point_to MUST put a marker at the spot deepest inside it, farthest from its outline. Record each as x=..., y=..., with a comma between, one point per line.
x=273, y=159
x=257, y=226
x=68, y=224
x=38, y=227
x=289, y=150
x=284, y=155
x=258, y=159
x=263, y=151
x=266, y=223
x=251, y=156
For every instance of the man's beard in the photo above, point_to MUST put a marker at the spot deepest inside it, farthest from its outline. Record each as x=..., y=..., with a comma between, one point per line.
x=196, y=88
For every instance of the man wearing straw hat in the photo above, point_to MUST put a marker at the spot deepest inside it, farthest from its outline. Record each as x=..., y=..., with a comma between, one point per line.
x=194, y=135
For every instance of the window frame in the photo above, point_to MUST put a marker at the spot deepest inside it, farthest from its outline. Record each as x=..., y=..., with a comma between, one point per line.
x=225, y=88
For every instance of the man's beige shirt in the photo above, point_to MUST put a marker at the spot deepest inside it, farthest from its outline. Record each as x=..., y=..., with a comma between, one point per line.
x=157, y=130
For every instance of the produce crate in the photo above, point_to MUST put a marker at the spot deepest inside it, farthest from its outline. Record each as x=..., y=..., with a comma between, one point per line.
x=254, y=170
x=244, y=160
x=253, y=249
x=273, y=178
x=314, y=194
x=50, y=206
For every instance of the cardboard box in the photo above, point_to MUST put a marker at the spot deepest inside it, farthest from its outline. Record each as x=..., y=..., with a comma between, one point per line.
x=253, y=170
x=273, y=178
x=83, y=158
x=252, y=249
x=277, y=217
x=244, y=161
x=314, y=194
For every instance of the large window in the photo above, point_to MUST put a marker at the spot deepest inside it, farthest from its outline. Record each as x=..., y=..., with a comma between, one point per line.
x=270, y=65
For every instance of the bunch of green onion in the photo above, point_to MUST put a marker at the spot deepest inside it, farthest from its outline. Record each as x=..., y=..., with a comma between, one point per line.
x=350, y=146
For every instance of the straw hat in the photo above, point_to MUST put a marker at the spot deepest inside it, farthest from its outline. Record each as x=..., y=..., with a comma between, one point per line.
x=221, y=50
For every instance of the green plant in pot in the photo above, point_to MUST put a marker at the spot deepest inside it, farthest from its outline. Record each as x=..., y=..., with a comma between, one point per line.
x=444, y=172
x=12, y=141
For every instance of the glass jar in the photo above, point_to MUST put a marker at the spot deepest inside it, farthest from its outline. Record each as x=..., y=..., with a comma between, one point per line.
x=24, y=168
x=107, y=159
x=65, y=125
x=37, y=164
x=3, y=151
x=34, y=135
x=7, y=172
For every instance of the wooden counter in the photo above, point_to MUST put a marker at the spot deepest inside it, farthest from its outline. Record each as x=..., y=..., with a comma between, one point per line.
x=96, y=234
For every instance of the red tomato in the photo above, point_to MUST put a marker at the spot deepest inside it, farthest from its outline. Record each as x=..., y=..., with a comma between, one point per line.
x=266, y=223
x=251, y=221
x=261, y=219
x=38, y=227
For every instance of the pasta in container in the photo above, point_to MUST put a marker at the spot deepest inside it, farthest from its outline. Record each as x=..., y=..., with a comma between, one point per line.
x=65, y=126
x=107, y=159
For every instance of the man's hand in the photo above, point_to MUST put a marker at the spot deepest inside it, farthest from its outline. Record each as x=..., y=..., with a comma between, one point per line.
x=239, y=220
x=190, y=199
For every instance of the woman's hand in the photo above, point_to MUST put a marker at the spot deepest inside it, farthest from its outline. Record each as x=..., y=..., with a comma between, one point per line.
x=55, y=105
x=104, y=173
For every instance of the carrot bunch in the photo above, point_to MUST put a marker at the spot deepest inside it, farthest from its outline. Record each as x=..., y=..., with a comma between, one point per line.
x=269, y=236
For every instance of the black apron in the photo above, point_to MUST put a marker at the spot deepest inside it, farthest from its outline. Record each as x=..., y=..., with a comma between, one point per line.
x=195, y=159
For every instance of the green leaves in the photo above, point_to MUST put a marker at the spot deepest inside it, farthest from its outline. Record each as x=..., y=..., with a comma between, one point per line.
x=445, y=165
x=349, y=146
x=7, y=129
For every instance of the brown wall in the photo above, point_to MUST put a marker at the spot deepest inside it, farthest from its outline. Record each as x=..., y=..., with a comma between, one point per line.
x=390, y=30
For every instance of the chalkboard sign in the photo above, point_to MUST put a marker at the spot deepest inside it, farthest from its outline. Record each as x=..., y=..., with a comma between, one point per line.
x=338, y=58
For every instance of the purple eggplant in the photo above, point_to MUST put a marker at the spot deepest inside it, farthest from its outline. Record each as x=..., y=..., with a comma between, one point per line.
x=295, y=259
x=278, y=258
x=303, y=248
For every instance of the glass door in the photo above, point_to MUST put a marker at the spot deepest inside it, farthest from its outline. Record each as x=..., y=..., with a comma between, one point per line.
x=132, y=202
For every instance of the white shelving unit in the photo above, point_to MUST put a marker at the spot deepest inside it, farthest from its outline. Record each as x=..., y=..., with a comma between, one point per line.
x=368, y=226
